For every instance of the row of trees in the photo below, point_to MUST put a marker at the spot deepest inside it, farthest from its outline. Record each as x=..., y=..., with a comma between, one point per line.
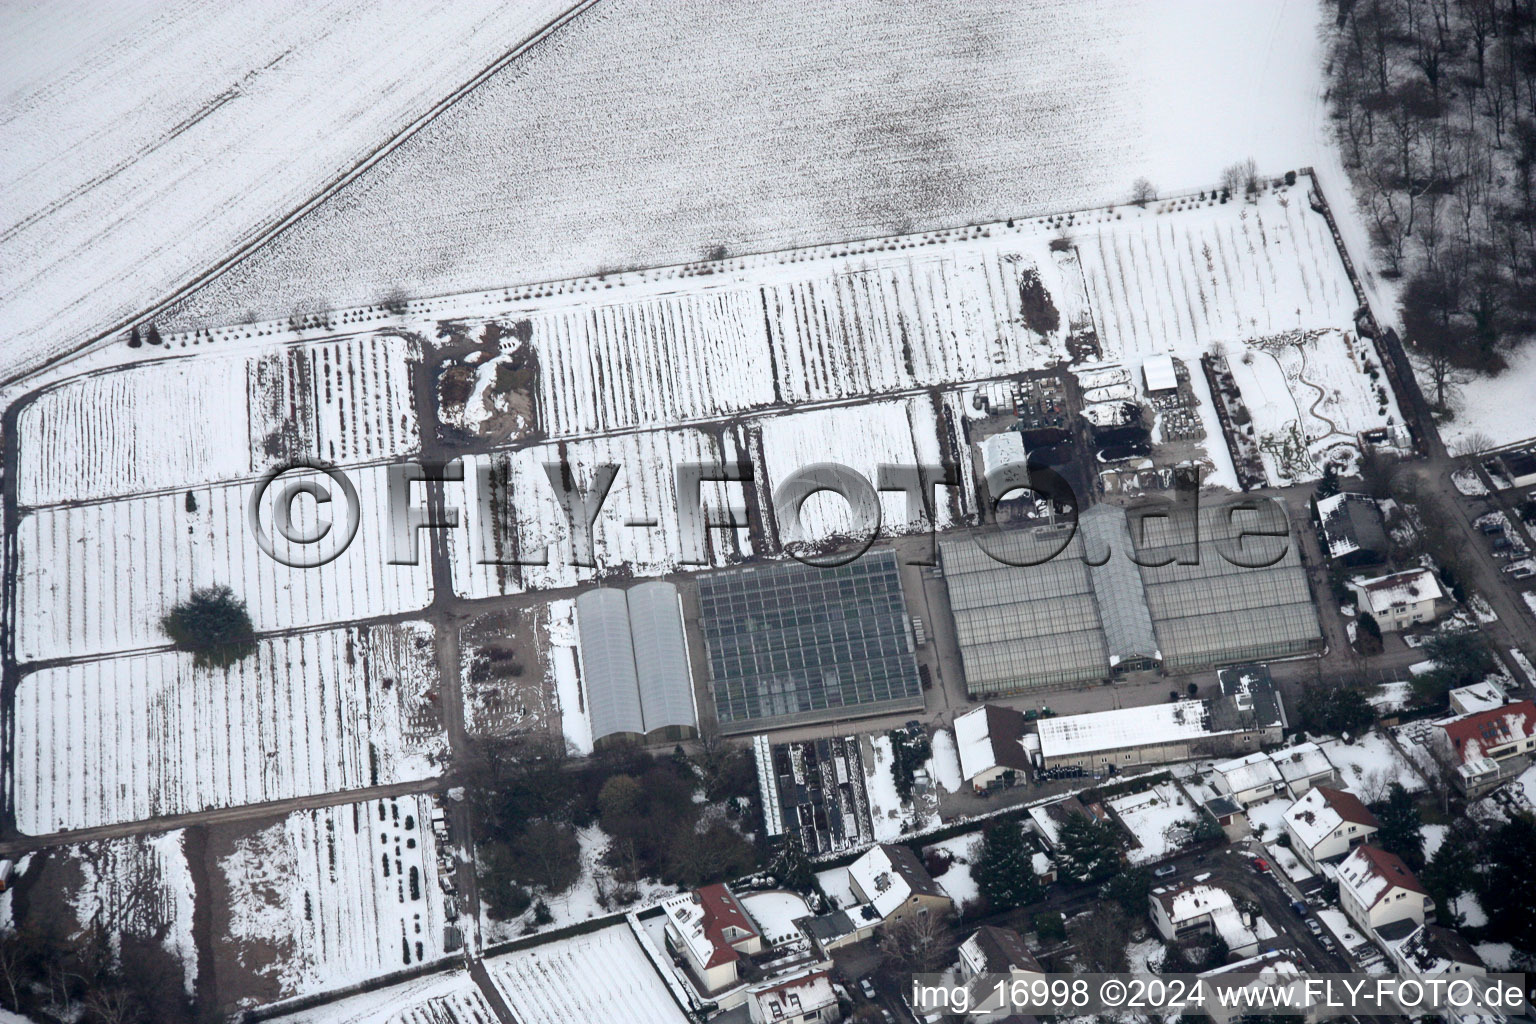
x=1435, y=105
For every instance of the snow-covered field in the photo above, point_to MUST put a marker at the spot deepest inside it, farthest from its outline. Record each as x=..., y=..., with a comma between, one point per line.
x=331, y=897
x=1496, y=409
x=96, y=579
x=903, y=432
x=600, y=976
x=863, y=121
x=150, y=735
x=110, y=196
x=178, y=423
x=449, y=998
x=140, y=885
x=644, y=491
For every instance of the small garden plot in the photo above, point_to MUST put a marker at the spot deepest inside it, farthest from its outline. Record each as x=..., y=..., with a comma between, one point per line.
x=328, y=898
x=1276, y=419
x=145, y=736
x=448, y=998
x=507, y=680
x=1434, y=837
x=955, y=856
x=891, y=816
x=604, y=975
x=1162, y=819
x=1389, y=698
x=140, y=886
x=96, y=579
x=1370, y=765
x=944, y=766
x=638, y=531
x=193, y=421
x=834, y=882
x=1267, y=817
x=904, y=432
x=1337, y=383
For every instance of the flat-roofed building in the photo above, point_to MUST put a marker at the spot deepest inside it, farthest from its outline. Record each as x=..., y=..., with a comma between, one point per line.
x=1236, y=723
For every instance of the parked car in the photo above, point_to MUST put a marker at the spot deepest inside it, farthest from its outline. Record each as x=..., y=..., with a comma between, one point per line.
x=1299, y=907
x=1260, y=864
x=867, y=989
x=1314, y=927
x=1165, y=871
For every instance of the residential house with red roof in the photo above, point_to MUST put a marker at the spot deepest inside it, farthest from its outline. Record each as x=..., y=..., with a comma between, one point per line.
x=1485, y=748
x=1376, y=888
x=1326, y=823
x=709, y=930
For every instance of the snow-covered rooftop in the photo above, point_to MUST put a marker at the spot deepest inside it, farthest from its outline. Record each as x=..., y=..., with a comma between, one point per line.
x=709, y=921
x=1430, y=950
x=1351, y=522
x=1475, y=736
x=1370, y=873
x=794, y=995
x=1187, y=904
x=1314, y=817
x=888, y=874
x=988, y=737
x=1245, y=773
x=1159, y=372
x=1477, y=697
x=1004, y=450
x=1302, y=761
x=1399, y=588
x=1123, y=727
